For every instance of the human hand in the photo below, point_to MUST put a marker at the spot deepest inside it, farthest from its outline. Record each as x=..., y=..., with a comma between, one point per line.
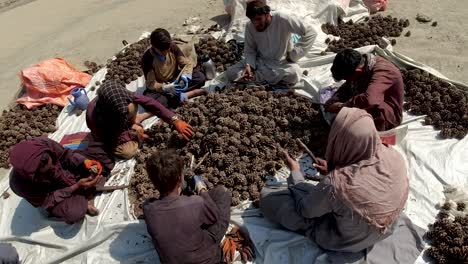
x=321, y=166
x=183, y=97
x=292, y=163
x=88, y=182
x=184, y=81
x=199, y=184
x=248, y=74
x=170, y=88
x=140, y=132
x=93, y=166
x=335, y=107
x=184, y=129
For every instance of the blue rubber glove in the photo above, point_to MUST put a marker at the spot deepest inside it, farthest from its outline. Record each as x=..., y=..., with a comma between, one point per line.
x=199, y=183
x=295, y=38
x=184, y=81
x=182, y=97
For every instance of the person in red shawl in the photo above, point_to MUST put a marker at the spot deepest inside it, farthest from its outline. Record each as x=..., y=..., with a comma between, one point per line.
x=372, y=83
x=57, y=179
x=111, y=118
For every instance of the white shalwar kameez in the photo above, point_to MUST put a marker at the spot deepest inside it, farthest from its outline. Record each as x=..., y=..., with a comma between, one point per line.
x=266, y=51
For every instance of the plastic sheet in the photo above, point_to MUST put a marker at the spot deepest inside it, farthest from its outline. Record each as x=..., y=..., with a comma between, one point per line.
x=116, y=237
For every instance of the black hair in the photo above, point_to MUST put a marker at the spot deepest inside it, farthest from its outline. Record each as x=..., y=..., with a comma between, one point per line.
x=164, y=169
x=345, y=63
x=255, y=8
x=161, y=39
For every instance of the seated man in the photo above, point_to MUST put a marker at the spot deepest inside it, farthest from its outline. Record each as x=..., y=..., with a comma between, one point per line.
x=184, y=229
x=268, y=54
x=372, y=83
x=161, y=65
x=54, y=178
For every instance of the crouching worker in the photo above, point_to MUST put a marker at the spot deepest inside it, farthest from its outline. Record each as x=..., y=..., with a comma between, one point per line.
x=372, y=83
x=360, y=200
x=162, y=63
x=184, y=229
x=57, y=179
x=111, y=117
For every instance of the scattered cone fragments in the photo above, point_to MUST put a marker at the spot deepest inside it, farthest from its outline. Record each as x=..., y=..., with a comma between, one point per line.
x=423, y=18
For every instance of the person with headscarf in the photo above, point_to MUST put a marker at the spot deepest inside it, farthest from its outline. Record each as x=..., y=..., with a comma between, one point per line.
x=359, y=200
x=372, y=83
x=111, y=118
x=54, y=178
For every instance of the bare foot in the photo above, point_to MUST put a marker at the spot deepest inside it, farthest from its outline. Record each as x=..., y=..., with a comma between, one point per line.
x=92, y=210
x=142, y=117
x=196, y=92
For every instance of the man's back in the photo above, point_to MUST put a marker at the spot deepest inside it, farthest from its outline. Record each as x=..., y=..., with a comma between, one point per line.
x=177, y=225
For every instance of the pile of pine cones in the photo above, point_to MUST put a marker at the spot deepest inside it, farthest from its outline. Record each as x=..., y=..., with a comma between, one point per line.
x=126, y=66
x=222, y=54
x=237, y=130
x=448, y=236
x=444, y=104
x=355, y=35
x=19, y=123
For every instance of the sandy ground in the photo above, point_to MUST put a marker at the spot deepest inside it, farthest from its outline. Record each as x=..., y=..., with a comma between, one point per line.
x=83, y=30
x=93, y=30
x=444, y=47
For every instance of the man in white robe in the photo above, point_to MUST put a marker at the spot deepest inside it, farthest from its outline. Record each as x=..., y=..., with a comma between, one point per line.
x=269, y=54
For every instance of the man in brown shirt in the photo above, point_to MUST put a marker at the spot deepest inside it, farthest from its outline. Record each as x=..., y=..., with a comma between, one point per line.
x=372, y=83
x=184, y=229
x=170, y=75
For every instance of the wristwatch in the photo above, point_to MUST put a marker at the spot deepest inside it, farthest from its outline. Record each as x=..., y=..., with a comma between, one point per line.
x=174, y=118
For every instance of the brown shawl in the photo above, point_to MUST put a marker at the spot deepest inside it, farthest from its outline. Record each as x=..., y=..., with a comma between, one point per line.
x=368, y=176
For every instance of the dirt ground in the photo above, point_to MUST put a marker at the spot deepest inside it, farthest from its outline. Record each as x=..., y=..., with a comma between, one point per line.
x=94, y=29
x=83, y=30
x=444, y=47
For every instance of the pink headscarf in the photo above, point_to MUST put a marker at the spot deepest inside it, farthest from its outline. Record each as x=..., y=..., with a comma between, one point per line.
x=368, y=176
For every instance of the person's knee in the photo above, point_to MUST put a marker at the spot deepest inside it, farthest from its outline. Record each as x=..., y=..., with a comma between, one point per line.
x=126, y=150
x=293, y=75
x=75, y=216
x=71, y=210
x=198, y=80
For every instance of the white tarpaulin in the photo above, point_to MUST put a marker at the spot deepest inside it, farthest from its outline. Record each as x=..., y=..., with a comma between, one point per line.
x=313, y=13
x=116, y=237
